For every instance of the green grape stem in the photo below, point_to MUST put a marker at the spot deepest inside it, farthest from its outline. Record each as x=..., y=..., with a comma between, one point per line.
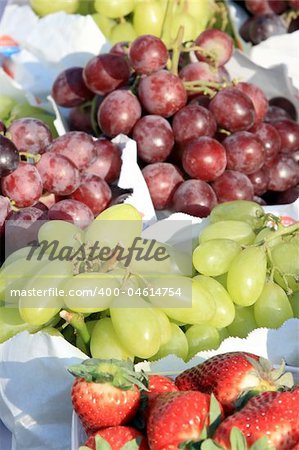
x=76, y=320
x=176, y=49
x=28, y=155
x=282, y=232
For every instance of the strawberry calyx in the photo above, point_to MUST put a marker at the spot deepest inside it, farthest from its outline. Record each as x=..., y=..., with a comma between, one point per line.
x=120, y=374
x=102, y=444
x=237, y=442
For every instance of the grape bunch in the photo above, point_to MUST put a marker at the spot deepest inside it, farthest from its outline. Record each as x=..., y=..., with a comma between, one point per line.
x=202, y=138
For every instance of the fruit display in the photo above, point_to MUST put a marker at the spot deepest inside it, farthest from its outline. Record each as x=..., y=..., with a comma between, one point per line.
x=210, y=406
x=202, y=138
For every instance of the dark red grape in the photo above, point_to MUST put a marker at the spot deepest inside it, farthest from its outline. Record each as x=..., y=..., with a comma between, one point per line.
x=59, y=175
x=80, y=119
x=191, y=122
x=204, y=159
x=294, y=4
x=154, y=137
x=259, y=200
x=194, y=197
x=162, y=93
x=93, y=192
x=23, y=186
x=258, y=98
x=162, y=180
x=30, y=135
x=295, y=156
x=286, y=104
x=120, y=48
x=233, y=110
x=264, y=26
x=233, y=185
x=4, y=210
x=245, y=152
x=270, y=139
x=244, y=30
x=106, y=72
x=9, y=156
x=278, y=6
x=69, y=88
x=200, y=100
x=260, y=181
x=107, y=164
x=72, y=211
x=147, y=54
x=258, y=7
x=294, y=25
x=77, y=146
x=118, y=113
x=289, y=135
x=288, y=196
x=283, y=173
x=217, y=42
x=48, y=200
x=199, y=71
x=275, y=113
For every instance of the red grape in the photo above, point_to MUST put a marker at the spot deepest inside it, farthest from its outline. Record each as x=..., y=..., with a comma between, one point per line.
x=199, y=71
x=257, y=97
x=194, y=197
x=77, y=146
x=59, y=175
x=72, y=211
x=258, y=7
x=200, y=100
x=23, y=186
x=294, y=4
x=283, y=173
x=245, y=152
x=162, y=180
x=204, y=159
x=233, y=185
x=191, y=122
x=288, y=196
x=264, y=26
x=80, y=119
x=270, y=139
x=217, y=42
x=286, y=104
x=233, y=110
x=275, y=113
x=162, y=93
x=118, y=113
x=120, y=48
x=9, y=156
x=93, y=192
x=260, y=181
x=107, y=164
x=69, y=89
x=147, y=54
x=154, y=137
x=106, y=72
x=278, y=6
x=30, y=135
x=289, y=135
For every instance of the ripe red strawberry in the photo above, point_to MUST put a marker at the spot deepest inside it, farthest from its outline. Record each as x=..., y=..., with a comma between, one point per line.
x=230, y=375
x=157, y=384
x=177, y=417
x=105, y=393
x=117, y=437
x=271, y=414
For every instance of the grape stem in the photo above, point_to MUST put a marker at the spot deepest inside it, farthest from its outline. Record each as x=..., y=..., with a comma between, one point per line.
x=28, y=155
x=94, y=123
x=286, y=230
x=176, y=50
x=76, y=320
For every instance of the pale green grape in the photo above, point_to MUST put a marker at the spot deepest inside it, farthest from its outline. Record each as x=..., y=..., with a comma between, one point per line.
x=6, y=105
x=186, y=21
x=11, y=324
x=136, y=326
x=177, y=345
x=122, y=32
x=104, y=342
x=191, y=302
x=52, y=331
x=225, y=309
x=202, y=337
x=60, y=239
x=114, y=8
x=39, y=309
x=44, y=7
x=272, y=308
x=243, y=210
x=294, y=301
x=246, y=276
x=21, y=253
x=285, y=258
x=164, y=324
x=104, y=23
x=148, y=17
x=243, y=323
x=201, y=11
x=234, y=230
x=90, y=292
x=213, y=258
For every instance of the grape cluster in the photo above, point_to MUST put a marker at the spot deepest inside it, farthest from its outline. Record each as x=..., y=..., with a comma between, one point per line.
x=201, y=138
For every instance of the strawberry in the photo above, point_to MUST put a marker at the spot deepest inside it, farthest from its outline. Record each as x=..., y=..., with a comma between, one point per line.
x=232, y=376
x=177, y=417
x=273, y=415
x=117, y=437
x=105, y=392
x=157, y=384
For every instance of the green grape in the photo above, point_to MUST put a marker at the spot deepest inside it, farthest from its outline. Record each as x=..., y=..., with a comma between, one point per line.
x=164, y=324
x=177, y=345
x=272, y=308
x=243, y=323
x=202, y=337
x=26, y=110
x=104, y=23
x=234, y=230
x=213, y=258
x=104, y=342
x=294, y=301
x=122, y=32
x=45, y=7
x=222, y=279
x=190, y=303
x=243, y=210
x=223, y=333
x=136, y=326
x=169, y=8
x=90, y=292
x=186, y=21
x=6, y=105
x=148, y=17
x=285, y=258
x=114, y=8
x=38, y=309
x=90, y=324
x=11, y=324
x=61, y=239
x=225, y=309
x=21, y=253
x=246, y=276
x=201, y=11
x=264, y=234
